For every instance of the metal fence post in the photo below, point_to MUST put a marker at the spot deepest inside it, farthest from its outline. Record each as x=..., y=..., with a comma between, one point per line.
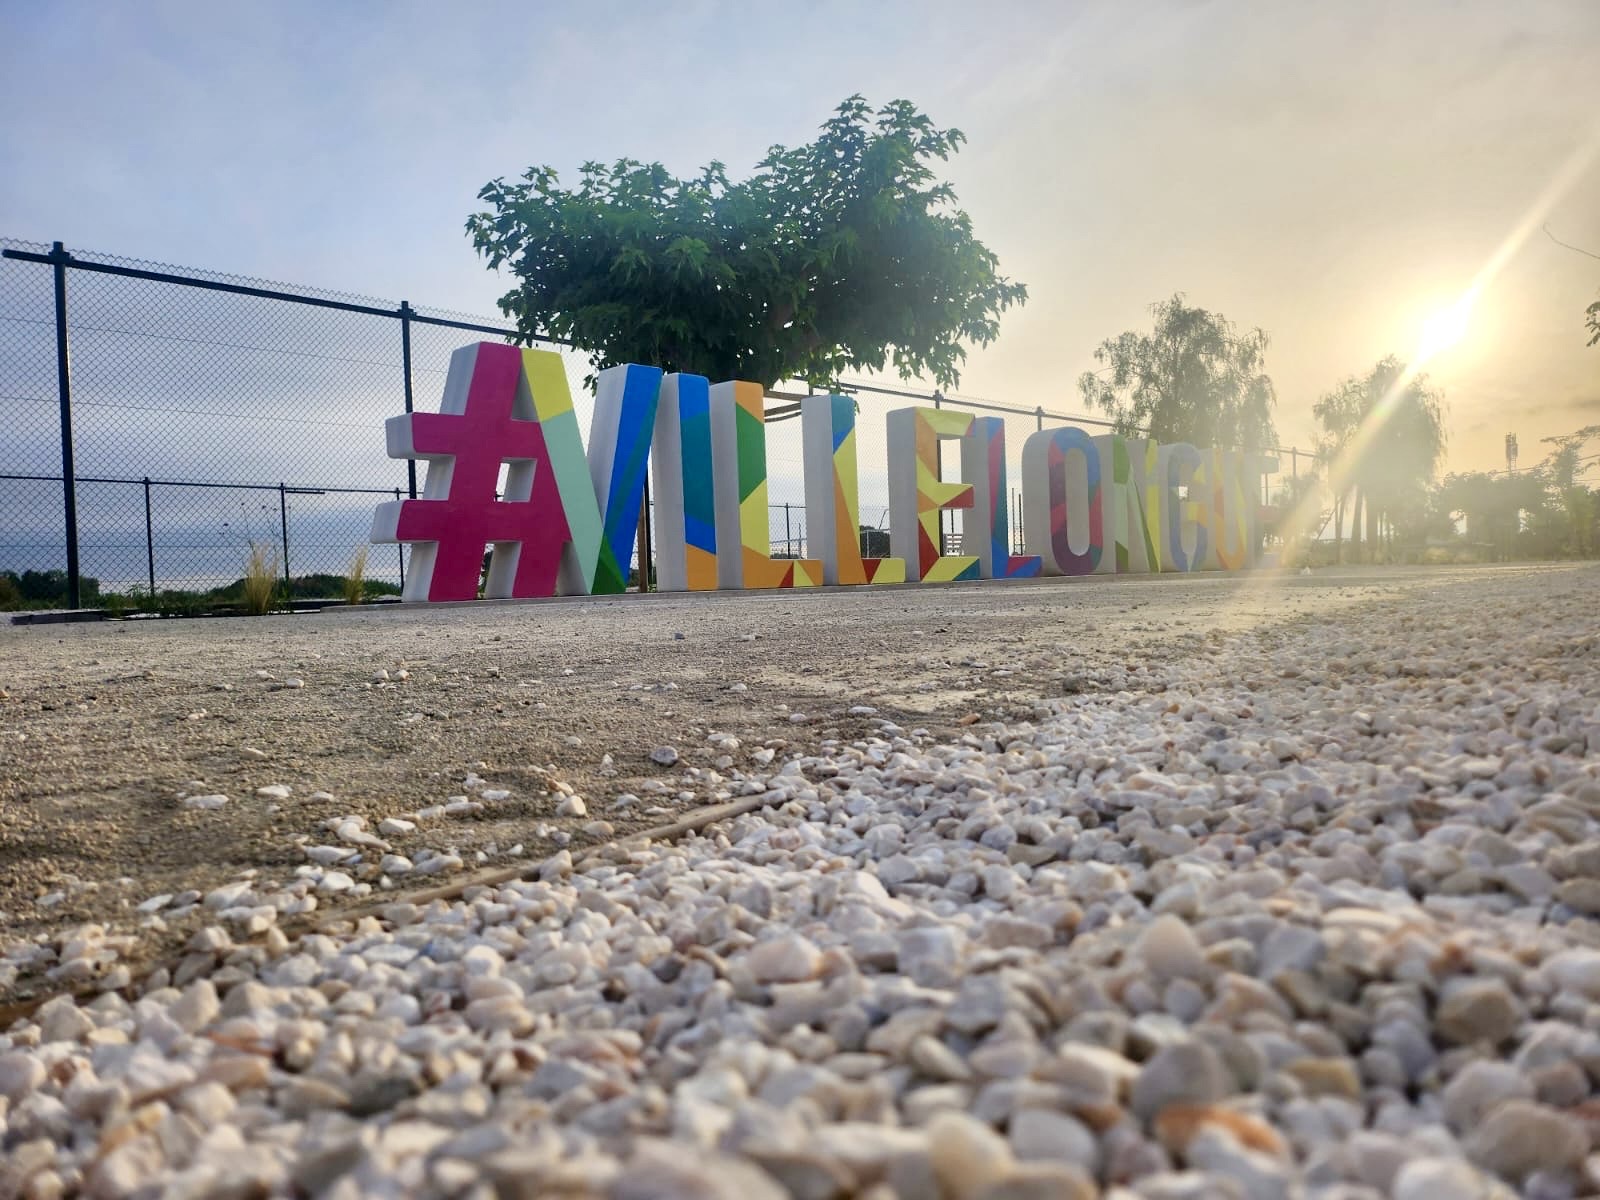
x=1038, y=415
x=405, y=368
x=283, y=518
x=59, y=258
x=788, y=548
x=149, y=538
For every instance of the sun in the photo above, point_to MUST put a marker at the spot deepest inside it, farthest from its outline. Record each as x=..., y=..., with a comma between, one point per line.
x=1445, y=329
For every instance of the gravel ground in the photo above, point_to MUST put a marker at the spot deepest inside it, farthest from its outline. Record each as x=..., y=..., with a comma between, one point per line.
x=1182, y=889
x=117, y=740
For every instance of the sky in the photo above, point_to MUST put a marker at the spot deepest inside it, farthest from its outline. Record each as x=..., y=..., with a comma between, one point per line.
x=1330, y=173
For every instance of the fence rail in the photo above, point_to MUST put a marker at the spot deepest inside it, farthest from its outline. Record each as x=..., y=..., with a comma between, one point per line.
x=159, y=420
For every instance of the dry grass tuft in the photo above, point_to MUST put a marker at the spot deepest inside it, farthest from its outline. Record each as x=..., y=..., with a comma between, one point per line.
x=260, y=580
x=355, y=580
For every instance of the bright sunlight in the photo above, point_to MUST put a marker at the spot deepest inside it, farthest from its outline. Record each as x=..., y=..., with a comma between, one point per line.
x=1444, y=329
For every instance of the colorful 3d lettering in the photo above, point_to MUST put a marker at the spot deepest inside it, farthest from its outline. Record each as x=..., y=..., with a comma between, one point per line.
x=917, y=494
x=739, y=467
x=1185, y=538
x=833, y=495
x=464, y=444
x=1061, y=483
x=983, y=465
x=1125, y=465
x=686, y=510
x=568, y=519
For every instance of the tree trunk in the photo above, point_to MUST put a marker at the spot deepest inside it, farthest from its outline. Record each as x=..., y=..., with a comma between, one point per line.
x=1372, y=532
x=1338, y=528
x=1355, y=525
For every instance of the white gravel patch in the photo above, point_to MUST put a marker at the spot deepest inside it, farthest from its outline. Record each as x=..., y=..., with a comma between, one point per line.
x=1308, y=913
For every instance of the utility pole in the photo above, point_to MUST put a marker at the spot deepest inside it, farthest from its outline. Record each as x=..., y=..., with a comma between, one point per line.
x=1511, y=472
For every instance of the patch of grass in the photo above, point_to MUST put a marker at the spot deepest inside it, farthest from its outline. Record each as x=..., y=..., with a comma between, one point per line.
x=260, y=580
x=355, y=580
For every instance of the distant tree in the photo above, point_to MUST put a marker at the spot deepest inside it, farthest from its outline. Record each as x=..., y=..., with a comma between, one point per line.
x=1494, y=507
x=1386, y=431
x=1594, y=322
x=44, y=589
x=1575, y=500
x=1302, y=510
x=842, y=254
x=1193, y=378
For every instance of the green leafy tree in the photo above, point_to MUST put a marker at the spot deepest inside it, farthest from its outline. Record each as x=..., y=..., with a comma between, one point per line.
x=1576, y=500
x=1193, y=378
x=1594, y=323
x=846, y=253
x=1386, y=430
x=1496, y=508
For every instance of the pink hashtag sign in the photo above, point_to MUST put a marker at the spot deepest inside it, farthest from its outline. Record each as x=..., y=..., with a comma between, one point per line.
x=465, y=443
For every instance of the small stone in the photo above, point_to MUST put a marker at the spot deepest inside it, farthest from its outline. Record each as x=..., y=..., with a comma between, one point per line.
x=1326, y=1077
x=1257, y=1175
x=1038, y=1133
x=1519, y=1137
x=1580, y=895
x=929, y=955
x=197, y=1007
x=1478, y=1010
x=207, y=803
x=572, y=806
x=664, y=756
x=1168, y=948
x=1042, y=1181
x=274, y=791
x=967, y=1155
x=936, y=1060
x=395, y=826
x=1181, y=1073
x=20, y=1074
x=228, y=897
x=1438, y=1178
x=786, y=959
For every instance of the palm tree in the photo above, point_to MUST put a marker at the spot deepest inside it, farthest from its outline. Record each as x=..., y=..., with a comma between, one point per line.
x=1385, y=430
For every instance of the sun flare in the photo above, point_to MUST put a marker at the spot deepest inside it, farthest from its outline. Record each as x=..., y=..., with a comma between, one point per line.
x=1445, y=329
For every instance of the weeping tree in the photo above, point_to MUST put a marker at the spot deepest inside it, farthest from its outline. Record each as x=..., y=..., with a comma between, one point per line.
x=1386, y=431
x=846, y=253
x=1193, y=378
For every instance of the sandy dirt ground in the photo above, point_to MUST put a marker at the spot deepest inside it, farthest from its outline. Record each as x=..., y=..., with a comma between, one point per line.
x=105, y=728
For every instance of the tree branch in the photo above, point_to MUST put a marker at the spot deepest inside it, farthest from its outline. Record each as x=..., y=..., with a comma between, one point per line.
x=1567, y=245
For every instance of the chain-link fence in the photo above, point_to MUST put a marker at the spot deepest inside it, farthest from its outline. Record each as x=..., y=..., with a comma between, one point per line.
x=197, y=414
